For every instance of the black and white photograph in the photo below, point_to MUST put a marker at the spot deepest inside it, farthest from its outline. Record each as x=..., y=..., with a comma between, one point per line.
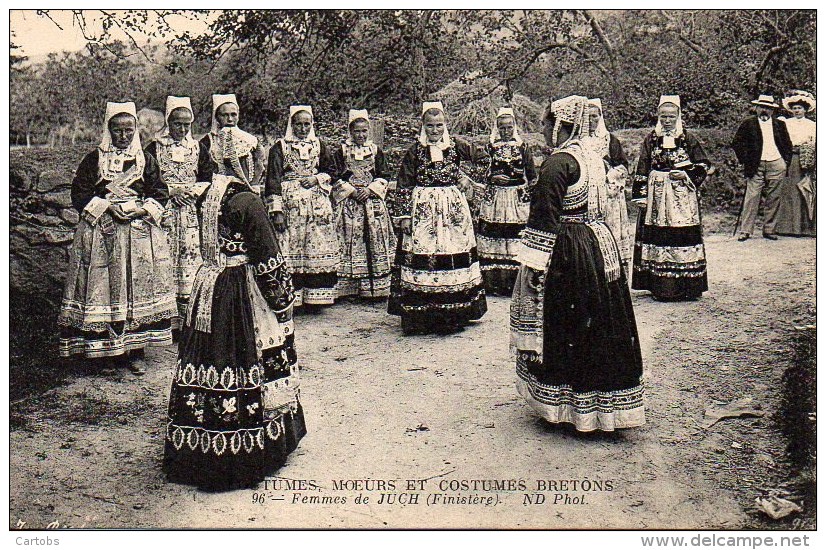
x=413, y=269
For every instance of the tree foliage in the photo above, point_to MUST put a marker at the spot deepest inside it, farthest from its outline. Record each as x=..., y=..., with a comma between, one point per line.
x=390, y=60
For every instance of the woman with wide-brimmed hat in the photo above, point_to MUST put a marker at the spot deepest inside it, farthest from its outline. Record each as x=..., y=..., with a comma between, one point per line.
x=797, y=214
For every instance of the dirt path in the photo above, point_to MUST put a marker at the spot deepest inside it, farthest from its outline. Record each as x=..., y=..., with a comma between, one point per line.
x=381, y=406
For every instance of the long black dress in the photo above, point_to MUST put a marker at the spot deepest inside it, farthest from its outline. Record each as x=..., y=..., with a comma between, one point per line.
x=584, y=367
x=234, y=409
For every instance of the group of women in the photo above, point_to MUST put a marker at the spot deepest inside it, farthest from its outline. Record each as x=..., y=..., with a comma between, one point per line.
x=198, y=237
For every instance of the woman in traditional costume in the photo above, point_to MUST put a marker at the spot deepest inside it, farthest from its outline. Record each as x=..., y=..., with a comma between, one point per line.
x=364, y=226
x=609, y=148
x=437, y=283
x=573, y=327
x=300, y=176
x=504, y=204
x=118, y=297
x=234, y=409
x=233, y=151
x=186, y=169
x=797, y=214
x=669, y=255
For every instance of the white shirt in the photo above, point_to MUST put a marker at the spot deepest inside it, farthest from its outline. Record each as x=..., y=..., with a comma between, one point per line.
x=770, y=151
x=800, y=130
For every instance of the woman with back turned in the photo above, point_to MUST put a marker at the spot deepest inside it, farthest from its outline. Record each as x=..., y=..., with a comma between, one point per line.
x=573, y=327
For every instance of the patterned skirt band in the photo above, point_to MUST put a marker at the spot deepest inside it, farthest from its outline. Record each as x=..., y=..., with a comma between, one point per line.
x=581, y=218
x=512, y=182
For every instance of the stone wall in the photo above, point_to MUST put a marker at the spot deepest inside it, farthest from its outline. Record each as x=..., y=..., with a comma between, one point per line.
x=41, y=218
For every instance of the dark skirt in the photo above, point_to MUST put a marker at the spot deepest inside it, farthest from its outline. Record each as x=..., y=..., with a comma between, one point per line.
x=234, y=417
x=793, y=217
x=434, y=311
x=589, y=373
x=669, y=262
x=499, y=281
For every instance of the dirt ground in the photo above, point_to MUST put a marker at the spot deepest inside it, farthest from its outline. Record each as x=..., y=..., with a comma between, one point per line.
x=380, y=406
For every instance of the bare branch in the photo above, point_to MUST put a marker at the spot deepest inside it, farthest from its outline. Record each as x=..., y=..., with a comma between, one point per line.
x=601, y=36
x=116, y=20
x=46, y=14
x=80, y=19
x=677, y=28
x=770, y=55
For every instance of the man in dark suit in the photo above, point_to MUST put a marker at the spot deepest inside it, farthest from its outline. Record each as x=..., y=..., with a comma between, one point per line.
x=763, y=147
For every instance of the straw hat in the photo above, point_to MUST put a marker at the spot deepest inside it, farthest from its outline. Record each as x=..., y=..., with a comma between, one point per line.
x=766, y=101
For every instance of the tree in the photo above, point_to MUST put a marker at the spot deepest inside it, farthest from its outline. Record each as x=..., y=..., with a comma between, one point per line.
x=390, y=60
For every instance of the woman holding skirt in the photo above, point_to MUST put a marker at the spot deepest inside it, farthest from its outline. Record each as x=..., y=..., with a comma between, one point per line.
x=573, y=327
x=364, y=227
x=234, y=409
x=437, y=283
x=504, y=205
x=797, y=213
x=118, y=297
x=669, y=254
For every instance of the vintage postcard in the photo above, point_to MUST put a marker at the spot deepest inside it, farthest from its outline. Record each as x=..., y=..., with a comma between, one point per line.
x=412, y=269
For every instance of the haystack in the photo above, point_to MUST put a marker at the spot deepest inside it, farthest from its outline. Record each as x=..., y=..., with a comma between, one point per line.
x=150, y=122
x=471, y=109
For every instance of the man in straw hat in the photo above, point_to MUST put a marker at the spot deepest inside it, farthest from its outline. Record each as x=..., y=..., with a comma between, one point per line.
x=763, y=147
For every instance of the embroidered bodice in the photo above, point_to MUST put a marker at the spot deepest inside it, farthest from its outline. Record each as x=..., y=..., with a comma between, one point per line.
x=437, y=174
x=296, y=167
x=507, y=159
x=178, y=163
